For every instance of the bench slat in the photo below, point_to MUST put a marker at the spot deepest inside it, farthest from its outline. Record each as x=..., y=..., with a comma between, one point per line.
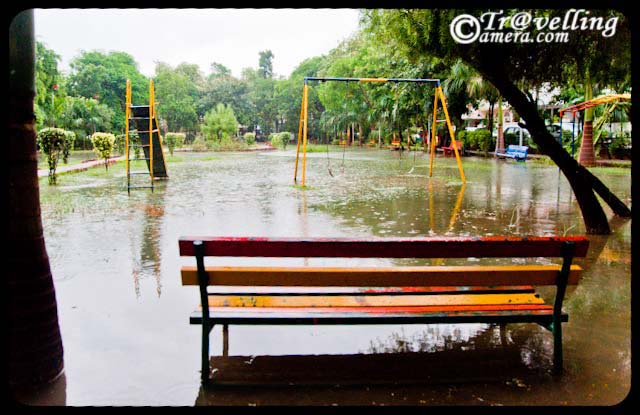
x=369, y=291
x=380, y=277
x=379, y=315
x=268, y=301
x=426, y=247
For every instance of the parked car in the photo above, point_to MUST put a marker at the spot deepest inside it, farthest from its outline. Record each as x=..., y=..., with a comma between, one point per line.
x=516, y=133
x=555, y=130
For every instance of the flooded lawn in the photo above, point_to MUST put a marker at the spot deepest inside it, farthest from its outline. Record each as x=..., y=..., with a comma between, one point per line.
x=124, y=313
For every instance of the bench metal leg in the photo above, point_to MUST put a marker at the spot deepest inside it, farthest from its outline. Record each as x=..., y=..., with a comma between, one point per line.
x=205, y=370
x=557, y=347
x=225, y=340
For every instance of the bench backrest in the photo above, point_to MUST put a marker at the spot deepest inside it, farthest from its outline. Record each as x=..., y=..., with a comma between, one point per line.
x=428, y=247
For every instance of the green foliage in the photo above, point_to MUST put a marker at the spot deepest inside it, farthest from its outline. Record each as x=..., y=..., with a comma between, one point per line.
x=174, y=140
x=69, y=140
x=103, y=77
x=47, y=75
x=177, y=92
x=120, y=144
x=250, y=138
x=54, y=143
x=285, y=138
x=200, y=145
x=85, y=116
x=103, y=144
x=219, y=122
x=265, y=64
x=479, y=139
x=280, y=139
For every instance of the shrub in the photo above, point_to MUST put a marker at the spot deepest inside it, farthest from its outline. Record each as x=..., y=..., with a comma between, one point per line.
x=69, y=140
x=121, y=144
x=280, y=139
x=200, y=145
x=463, y=136
x=483, y=139
x=174, y=140
x=54, y=142
x=250, y=138
x=103, y=144
x=285, y=138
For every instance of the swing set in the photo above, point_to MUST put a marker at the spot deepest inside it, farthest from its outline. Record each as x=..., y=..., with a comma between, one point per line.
x=439, y=96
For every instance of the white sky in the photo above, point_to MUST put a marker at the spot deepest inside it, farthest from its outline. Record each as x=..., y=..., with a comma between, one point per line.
x=232, y=37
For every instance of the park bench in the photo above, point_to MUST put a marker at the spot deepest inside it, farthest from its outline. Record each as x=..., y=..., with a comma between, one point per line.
x=519, y=153
x=294, y=295
x=450, y=149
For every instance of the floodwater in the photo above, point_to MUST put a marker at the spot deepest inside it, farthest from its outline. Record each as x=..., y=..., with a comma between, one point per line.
x=124, y=313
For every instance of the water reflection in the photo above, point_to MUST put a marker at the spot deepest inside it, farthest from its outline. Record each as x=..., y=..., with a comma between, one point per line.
x=109, y=329
x=146, y=264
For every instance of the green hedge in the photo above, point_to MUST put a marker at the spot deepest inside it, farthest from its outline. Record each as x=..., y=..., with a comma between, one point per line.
x=479, y=139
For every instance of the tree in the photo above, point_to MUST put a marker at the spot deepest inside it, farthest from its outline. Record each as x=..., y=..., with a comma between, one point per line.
x=230, y=91
x=265, y=64
x=219, y=122
x=177, y=91
x=35, y=350
x=48, y=81
x=427, y=32
x=218, y=70
x=103, y=77
x=261, y=92
x=85, y=116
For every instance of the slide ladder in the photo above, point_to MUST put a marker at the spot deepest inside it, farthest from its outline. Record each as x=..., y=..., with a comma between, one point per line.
x=144, y=120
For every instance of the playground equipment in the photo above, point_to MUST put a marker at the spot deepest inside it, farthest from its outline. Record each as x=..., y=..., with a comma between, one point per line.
x=144, y=119
x=439, y=96
x=604, y=99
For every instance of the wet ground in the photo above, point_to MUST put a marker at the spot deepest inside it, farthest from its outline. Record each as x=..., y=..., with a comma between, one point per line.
x=124, y=313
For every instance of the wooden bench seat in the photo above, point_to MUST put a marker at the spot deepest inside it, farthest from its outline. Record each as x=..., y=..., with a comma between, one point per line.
x=269, y=295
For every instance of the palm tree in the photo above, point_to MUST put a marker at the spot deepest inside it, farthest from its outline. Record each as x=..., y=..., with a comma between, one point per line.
x=463, y=76
x=35, y=344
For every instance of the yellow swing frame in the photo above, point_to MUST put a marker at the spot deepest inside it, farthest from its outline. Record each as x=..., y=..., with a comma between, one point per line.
x=439, y=96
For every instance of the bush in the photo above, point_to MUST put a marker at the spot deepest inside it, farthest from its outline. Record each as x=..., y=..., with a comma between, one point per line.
x=250, y=138
x=103, y=144
x=200, y=144
x=54, y=142
x=463, y=135
x=280, y=139
x=483, y=139
x=174, y=140
x=620, y=147
x=69, y=140
x=285, y=138
x=121, y=144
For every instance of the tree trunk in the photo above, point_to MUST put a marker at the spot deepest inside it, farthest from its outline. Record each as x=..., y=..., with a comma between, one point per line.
x=35, y=346
x=581, y=180
x=500, y=147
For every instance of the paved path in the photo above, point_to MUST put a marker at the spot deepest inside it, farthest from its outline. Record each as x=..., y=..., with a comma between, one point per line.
x=62, y=169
